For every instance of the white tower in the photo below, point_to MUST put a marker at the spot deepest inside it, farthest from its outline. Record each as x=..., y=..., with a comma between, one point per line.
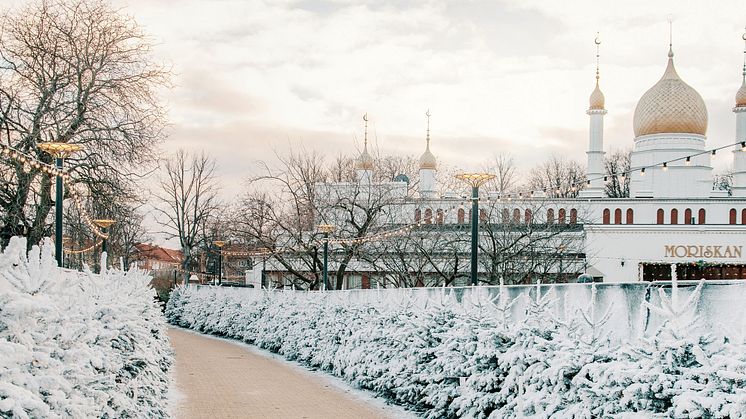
x=364, y=163
x=739, y=153
x=595, y=170
x=428, y=167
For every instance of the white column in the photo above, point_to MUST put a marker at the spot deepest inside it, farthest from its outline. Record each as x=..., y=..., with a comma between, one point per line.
x=595, y=168
x=739, y=156
x=427, y=183
x=364, y=176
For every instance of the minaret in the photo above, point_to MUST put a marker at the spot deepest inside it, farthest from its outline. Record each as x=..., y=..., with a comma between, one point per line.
x=428, y=167
x=739, y=153
x=364, y=163
x=596, y=112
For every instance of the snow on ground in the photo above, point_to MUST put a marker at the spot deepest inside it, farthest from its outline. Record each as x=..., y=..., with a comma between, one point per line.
x=78, y=344
x=448, y=358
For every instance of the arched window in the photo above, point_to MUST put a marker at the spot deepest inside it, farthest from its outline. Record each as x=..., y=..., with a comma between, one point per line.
x=561, y=216
x=517, y=216
x=417, y=215
x=505, y=216
x=573, y=216
x=529, y=216
x=482, y=215
x=630, y=216
x=659, y=216
x=733, y=216
x=607, y=216
x=428, y=216
x=743, y=216
x=701, y=216
x=550, y=216
x=439, y=217
x=461, y=216
x=688, y=216
x=618, y=216
x=674, y=216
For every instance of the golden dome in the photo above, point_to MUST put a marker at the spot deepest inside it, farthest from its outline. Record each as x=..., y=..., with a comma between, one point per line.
x=427, y=160
x=597, y=98
x=741, y=95
x=670, y=106
x=365, y=161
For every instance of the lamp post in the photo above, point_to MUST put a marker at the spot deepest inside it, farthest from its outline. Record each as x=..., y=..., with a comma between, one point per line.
x=326, y=229
x=220, y=244
x=59, y=151
x=264, y=251
x=475, y=180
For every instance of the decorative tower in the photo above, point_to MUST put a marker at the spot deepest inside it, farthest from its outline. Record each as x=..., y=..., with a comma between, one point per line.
x=364, y=163
x=428, y=167
x=739, y=153
x=595, y=170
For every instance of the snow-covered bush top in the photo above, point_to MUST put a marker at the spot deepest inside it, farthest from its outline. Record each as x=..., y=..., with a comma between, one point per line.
x=78, y=344
x=478, y=358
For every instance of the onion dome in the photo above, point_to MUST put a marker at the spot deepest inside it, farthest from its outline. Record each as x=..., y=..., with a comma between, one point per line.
x=597, y=98
x=741, y=95
x=364, y=161
x=670, y=106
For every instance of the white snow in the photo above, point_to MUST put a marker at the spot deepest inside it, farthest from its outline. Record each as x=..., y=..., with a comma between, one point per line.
x=78, y=344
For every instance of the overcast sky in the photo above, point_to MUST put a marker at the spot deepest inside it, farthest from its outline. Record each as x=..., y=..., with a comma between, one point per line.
x=253, y=77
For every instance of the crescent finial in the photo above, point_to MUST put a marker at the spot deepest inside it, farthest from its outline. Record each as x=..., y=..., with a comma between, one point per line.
x=365, y=117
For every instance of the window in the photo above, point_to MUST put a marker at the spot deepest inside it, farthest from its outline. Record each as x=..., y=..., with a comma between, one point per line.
x=688, y=216
x=417, y=215
x=743, y=216
x=428, y=216
x=505, y=216
x=630, y=216
x=674, y=216
x=529, y=216
x=482, y=215
x=733, y=215
x=439, y=217
x=659, y=216
x=561, y=216
x=550, y=216
x=701, y=216
x=618, y=216
x=607, y=216
x=517, y=216
x=573, y=216
x=461, y=216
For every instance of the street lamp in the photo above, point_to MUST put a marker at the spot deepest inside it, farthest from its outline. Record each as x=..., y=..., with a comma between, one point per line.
x=475, y=180
x=220, y=244
x=326, y=229
x=59, y=151
x=263, y=252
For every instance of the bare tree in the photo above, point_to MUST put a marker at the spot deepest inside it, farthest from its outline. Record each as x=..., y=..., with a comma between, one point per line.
x=189, y=199
x=558, y=177
x=615, y=164
x=505, y=171
x=81, y=72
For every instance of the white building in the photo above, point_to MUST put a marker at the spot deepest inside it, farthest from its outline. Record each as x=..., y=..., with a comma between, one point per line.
x=673, y=216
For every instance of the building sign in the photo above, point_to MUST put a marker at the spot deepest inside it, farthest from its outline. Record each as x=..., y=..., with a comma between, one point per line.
x=722, y=252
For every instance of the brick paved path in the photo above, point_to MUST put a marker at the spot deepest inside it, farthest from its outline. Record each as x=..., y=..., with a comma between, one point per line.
x=219, y=379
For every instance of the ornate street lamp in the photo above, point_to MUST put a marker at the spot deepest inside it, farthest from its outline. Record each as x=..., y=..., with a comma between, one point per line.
x=220, y=244
x=326, y=229
x=475, y=180
x=59, y=151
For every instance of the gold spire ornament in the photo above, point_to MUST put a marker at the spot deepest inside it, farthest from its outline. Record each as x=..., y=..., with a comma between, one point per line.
x=741, y=94
x=365, y=161
x=597, y=99
x=427, y=160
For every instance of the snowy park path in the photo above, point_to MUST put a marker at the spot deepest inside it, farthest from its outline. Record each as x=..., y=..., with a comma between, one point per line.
x=217, y=378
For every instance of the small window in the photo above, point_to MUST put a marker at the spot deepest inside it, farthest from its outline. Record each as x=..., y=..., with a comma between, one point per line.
x=733, y=215
x=607, y=216
x=561, y=217
x=674, y=216
x=505, y=216
x=743, y=216
x=529, y=216
x=701, y=216
x=550, y=216
x=573, y=216
x=417, y=215
x=688, y=216
x=439, y=217
x=630, y=216
x=482, y=215
x=660, y=215
x=618, y=216
x=461, y=216
x=428, y=216
x=517, y=216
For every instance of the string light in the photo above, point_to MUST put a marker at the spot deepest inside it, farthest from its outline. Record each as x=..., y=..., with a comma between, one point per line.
x=642, y=172
x=665, y=167
x=688, y=160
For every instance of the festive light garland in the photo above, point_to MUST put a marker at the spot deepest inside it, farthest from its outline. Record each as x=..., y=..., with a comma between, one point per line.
x=79, y=251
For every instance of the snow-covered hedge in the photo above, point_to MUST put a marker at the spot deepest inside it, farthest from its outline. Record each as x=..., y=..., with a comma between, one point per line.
x=78, y=344
x=447, y=359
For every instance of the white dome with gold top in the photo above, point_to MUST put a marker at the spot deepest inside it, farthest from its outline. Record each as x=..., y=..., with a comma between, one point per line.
x=670, y=106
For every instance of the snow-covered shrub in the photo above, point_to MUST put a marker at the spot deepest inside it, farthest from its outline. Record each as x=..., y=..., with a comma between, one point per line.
x=448, y=359
x=78, y=344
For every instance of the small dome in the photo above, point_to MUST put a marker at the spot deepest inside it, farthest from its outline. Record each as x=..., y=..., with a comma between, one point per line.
x=427, y=160
x=741, y=95
x=597, y=98
x=670, y=106
x=365, y=161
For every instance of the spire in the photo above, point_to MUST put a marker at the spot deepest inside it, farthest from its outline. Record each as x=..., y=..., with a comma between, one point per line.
x=427, y=160
x=741, y=94
x=597, y=41
x=744, y=55
x=428, y=128
x=670, y=36
x=365, y=118
x=597, y=97
x=365, y=161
